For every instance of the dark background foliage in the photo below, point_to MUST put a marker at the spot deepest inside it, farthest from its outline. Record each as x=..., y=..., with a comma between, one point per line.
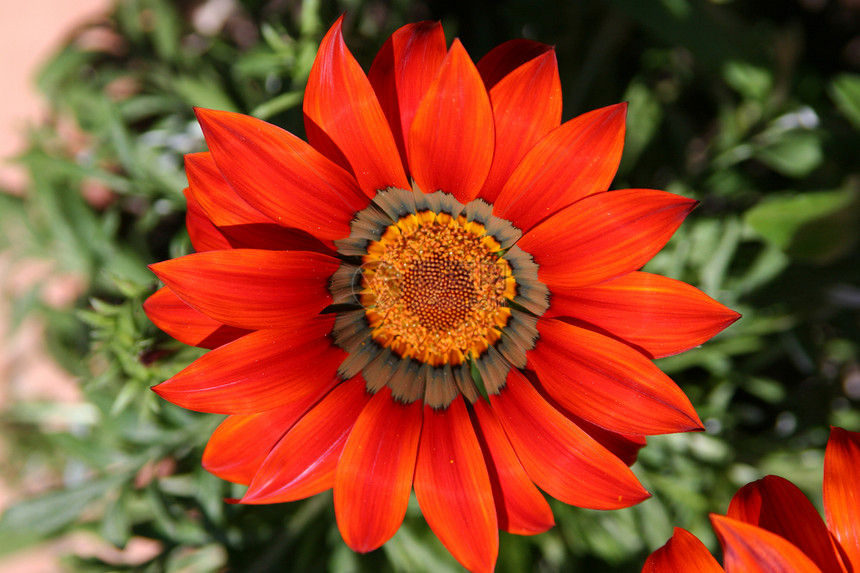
x=751, y=107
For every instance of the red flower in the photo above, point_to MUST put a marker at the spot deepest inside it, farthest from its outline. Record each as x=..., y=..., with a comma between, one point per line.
x=435, y=292
x=772, y=527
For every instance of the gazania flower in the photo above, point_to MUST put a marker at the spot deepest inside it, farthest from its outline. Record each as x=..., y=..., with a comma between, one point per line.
x=772, y=527
x=436, y=292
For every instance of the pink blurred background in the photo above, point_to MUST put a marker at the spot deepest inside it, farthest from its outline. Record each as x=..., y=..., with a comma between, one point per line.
x=30, y=32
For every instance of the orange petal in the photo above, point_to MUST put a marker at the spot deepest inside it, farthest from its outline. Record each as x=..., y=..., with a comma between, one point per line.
x=244, y=226
x=624, y=446
x=507, y=57
x=683, y=553
x=520, y=507
x=402, y=73
x=526, y=106
x=258, y=372
x=558, y=456
x=450, y=144
x=575, y=160
x=659, y=315
x=304, y=461
x=340, y=101
x=842, y=490
x=374, y=474
x=215, y=196
x=453, y=488
x=251, y=289
x=203, y=234
x=604, y=236
x=170, y=314
x=608, y=383
x=280, y=175
x=239, y=446
x=751, y=549
x=777, y=505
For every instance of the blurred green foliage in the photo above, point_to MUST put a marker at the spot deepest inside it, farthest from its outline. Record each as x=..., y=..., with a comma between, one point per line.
x=752, y=108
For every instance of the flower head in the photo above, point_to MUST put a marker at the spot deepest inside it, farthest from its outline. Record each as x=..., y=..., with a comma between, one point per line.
x=436, y=292
x=771, y=526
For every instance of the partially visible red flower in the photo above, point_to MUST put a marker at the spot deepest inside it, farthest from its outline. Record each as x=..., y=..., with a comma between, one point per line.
x=436, y=293
x=772, y=527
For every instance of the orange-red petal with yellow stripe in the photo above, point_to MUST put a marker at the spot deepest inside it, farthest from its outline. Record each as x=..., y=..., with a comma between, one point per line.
x=604, y=236
x=658, y=315
x=258, y=372
x=453, y=488
x=240, y=444
x=203, y=234
x=575, y=160
x=608, y=383
x=402, y=73
x=340, y=101
x=558, y=456
x=280, y=175
x=777, y=505
x=303, y=462
x=374, y=475
x=842, y=491
x=250, y=288
x=751, y=549
x=520, y=506
x=170, y=314
x=683, y=553
x=450, y=143
x=526, y=106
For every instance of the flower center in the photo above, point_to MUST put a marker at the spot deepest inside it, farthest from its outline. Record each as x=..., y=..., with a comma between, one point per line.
x=433, y=299
x=434, y=288
x=440, y=292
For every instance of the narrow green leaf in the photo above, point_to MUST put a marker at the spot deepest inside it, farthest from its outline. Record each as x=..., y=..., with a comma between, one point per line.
x=278, y=104
x=52, y=512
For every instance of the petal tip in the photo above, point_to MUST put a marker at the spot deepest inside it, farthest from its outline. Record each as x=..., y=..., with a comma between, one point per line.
x=159, y=270
x=203, y=114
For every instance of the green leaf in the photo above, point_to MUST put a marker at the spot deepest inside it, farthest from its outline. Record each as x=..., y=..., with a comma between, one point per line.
x=845, y=91
x=210, y=557
x=644, y=115
x=818, y=226
x=793, y=154
x=116, y=525
x=57, y=71
x=752, y=82
x=165, y=30
x=408, y=552
x=54, y=511
x=205, y=92
x=278, y=104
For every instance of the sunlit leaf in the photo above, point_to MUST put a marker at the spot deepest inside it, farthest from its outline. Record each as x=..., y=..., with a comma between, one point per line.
x=819, y=226
x=794, y=153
